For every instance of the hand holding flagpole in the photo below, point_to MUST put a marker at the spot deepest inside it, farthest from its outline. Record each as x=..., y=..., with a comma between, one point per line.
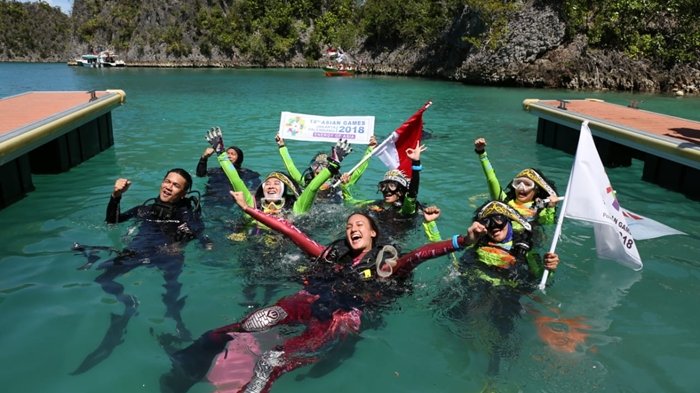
x=364, y=159
x=555, y=239
x=392, y=149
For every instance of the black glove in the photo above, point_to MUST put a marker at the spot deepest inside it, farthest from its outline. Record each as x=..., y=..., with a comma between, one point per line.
x=215, y=139
x=341, y=149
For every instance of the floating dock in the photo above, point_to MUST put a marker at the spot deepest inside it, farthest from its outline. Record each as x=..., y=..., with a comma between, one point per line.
x=51, y=132
x=669, y=146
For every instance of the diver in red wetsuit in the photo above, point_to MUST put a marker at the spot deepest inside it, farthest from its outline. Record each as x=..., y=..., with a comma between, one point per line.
x=346, y=278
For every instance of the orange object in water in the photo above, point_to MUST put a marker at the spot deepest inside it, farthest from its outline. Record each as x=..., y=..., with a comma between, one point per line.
x=563, y=335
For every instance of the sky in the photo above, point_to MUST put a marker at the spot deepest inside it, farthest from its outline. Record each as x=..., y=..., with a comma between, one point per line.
x=65, y=5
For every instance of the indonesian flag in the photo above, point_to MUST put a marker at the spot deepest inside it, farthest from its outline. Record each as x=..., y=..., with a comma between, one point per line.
x=392, y=151
x=590, y=197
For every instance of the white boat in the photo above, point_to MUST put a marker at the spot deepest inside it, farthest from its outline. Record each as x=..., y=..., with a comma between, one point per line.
x=103, y=59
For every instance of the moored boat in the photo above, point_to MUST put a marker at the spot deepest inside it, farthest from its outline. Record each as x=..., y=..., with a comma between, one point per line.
x=330, y=70
x=339, y=63
x=102, y=59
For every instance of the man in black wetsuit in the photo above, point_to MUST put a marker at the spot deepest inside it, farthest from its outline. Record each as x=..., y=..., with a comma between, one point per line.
x=166, y=223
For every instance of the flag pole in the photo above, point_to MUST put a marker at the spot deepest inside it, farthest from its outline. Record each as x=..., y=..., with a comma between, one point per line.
x=557, y=230
x=368, y=156
x=555, y=240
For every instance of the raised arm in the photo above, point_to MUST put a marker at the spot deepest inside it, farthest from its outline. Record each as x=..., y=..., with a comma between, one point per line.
x=430, y=215
x=406, y=263
x=410, y=200
x=353, y=177
x=282, y=226
x=287, y=160
x=495, y=190
x=307, y=197
x=113, y=214
x=234, y=178
x=201, y=170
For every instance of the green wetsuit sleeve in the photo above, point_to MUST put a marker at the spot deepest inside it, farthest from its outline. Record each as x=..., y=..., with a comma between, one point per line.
x=409, y=206
x=431, y=231
x=306, y=199
x=289, y=164
x=547, y=216
x=236, y=182
x=535, y=263
x=357, y=174
x=495, y=190
x=348, y=198
x=346, y=188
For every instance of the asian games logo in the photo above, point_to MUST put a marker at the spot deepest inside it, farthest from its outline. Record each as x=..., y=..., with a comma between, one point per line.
x=615, y=204
x=295, y=125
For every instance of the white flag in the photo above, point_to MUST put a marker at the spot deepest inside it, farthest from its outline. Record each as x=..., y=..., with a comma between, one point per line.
x=590, y=197
x=645, y=228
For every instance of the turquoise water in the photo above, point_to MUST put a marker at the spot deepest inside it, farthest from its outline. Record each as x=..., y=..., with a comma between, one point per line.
x=640, y=324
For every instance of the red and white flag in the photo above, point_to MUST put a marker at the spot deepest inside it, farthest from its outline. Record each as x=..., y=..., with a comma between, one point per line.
x=590, y=197
x=392, y=151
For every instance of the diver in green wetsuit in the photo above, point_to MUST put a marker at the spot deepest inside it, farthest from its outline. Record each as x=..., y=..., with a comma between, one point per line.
x=279, y=193
x=495, y=271
x=399, y=207
x=281, y=196
x=530, y=193
x=318, y=163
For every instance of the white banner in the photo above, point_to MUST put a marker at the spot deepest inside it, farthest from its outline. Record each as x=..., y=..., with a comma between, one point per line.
x=299, y=126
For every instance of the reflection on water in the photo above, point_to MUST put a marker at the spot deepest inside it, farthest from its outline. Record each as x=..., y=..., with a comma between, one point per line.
x=600, y=327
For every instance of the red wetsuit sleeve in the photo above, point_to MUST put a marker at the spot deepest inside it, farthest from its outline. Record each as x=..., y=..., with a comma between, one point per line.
x=284, y=227
x=409, y=261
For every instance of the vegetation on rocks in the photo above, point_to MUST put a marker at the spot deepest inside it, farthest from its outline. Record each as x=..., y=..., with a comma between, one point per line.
x=648, y=45
x=33, y=32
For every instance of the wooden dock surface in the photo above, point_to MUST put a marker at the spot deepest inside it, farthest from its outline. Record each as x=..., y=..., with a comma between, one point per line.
x=669, y=137
x=28, y=108
x=669, y=146
x=633, y=119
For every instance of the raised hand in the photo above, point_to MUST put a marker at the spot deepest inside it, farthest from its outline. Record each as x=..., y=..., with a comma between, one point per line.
x=279, y=140
x=414, y=153
x=431, y=213
x=208, y=152
x=120, y=187
x=372, y=141
x=341, y=149
x=475, y=232
x=480, y=145
x=239, y=198
x=216, y=139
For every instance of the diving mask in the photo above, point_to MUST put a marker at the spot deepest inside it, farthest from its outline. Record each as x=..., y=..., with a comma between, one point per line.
x=496, y=221
x=523, y=184
x=272, y=204
x=388, y=187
